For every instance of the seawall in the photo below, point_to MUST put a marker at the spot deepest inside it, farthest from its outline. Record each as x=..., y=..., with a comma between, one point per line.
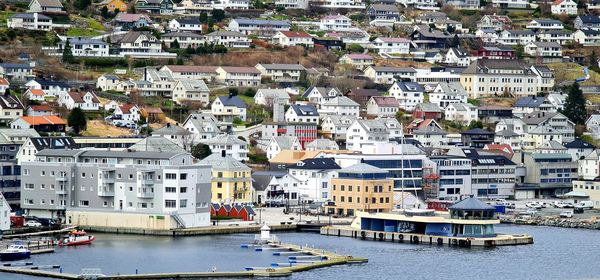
x=553, y=221
x=230, y=229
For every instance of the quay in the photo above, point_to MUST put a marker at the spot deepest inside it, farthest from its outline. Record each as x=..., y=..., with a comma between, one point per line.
x=415, y=238
x=211, y=230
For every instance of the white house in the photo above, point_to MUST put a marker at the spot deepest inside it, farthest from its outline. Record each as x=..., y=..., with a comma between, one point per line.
x=280, y=143
x=127, y=112
x=142, y=44
x=431, y=136
x=230, y=39
x=30, y=21
x=358, y=60
x=52, y=88
x=185, y=24
x=408, y=94
x=340, y=106
x=543, y=49
x=457, y=56
x=557, y=36
x=293, y=38
x=320, y=95
x=462, y=113
x=366, y=132
x=45, y=6
x=387, y=45
x=266, y=96
x=389, y=74
x=230, y=144
x=226, y=108
x=203, y=126
x=568, y=7
x=445, y=94
x=335, y=22
x=538, y=24
x=384, y=106
x=302, y=114
x=107, y=82
x=587, y=37
x=261, y=27
x=281, y=72
x=191, y=90
x=336, y=126
x=183, y=39
x=85, y=47
x=4, y=84
x=35, y=94
x=487, y=35
x=86, y=101
x=239, y=76
x=592, y=125
x=516, y=37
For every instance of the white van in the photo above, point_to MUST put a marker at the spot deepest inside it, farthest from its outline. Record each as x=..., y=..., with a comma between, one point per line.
x=585, y=204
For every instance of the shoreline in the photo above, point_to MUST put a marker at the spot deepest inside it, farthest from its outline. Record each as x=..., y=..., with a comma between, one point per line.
x=553, y=221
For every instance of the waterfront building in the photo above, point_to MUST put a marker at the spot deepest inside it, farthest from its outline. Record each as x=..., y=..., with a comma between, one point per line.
x=590, y=189
x=361, y=187
x=548, y=174
x=454, y=176
x=231, y=180
x=314, y=176
x=121, y=189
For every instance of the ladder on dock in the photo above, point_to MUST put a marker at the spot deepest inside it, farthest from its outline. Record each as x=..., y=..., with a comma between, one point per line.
x=179, y=220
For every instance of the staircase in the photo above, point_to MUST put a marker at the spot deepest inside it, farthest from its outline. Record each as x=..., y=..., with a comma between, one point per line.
x=179, y=220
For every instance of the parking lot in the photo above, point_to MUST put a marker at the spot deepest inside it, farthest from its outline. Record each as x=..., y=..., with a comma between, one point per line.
x=550, y=210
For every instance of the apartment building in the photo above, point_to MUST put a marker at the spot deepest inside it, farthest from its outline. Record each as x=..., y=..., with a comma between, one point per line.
x=231, y=180
x=125, y=189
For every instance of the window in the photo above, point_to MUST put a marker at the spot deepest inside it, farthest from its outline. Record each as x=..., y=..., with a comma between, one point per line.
x=29, y=187
x=183, y=176
x=170, y=176
x=170, y=189
x=169, y=203
x=82, y=174
x=84, y=203
x=183, y=189
x=183, y=203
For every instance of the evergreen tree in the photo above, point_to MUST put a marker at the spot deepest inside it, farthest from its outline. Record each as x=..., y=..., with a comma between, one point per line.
x=455, y=41
x=475, y=124
x=201, y=151
x=67, y=56
x=82, y=4
x=593, y=59
x=77, y=120
x=203, y=17
x=175, y=44
x=218, y=15
x=575, y=105
x=104, y=12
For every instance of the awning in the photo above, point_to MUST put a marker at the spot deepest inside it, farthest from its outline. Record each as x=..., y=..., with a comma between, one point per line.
x=576, y=194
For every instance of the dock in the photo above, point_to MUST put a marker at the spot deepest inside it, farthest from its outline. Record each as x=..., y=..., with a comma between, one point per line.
x=210, y=230
x=415, y=238
x=319, y=259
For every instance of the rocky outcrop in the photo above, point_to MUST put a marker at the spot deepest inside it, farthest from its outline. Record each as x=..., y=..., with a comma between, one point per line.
x=553, y=221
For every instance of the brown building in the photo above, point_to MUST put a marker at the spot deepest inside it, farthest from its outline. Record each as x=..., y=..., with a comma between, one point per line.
x=361, y=187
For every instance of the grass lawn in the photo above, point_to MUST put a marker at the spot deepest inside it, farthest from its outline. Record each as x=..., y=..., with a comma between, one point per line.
x=82, y=32
x=593, y=98
x=572, y=71
x=92, y=23
x=102, y=129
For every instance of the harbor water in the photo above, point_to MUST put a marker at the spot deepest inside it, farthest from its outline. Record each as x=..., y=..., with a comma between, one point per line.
x=558, y=253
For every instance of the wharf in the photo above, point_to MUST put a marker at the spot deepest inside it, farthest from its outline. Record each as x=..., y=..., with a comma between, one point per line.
x=415, y=238
x=210, y=230
x=38, y=233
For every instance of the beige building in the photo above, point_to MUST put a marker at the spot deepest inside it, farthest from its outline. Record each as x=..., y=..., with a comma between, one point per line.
x=489, y=77
x=361, y=187
x=589, y=188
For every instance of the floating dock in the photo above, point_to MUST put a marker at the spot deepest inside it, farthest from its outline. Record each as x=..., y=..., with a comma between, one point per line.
x=415, y=238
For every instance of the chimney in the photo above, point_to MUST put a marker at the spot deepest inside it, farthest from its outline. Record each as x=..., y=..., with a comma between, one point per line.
x=223, y=153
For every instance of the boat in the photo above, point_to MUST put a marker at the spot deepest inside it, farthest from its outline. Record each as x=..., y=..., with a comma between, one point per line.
x=75, y=238
x=15, y=252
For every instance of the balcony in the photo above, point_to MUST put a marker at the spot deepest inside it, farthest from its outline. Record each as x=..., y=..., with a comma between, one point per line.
x=106, y=190
x=145, y=193
x=147, y=182
x=61, y=191
x=61, y=178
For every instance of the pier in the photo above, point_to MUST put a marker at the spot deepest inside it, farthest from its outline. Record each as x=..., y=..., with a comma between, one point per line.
x=210, y=230
x=415, y=238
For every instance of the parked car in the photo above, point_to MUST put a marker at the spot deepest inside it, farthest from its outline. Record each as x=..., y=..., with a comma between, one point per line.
x=533, y=204
x=32, y=223
x=531, y=211
x=543, y=204
x=585, y=204
x=566, y=214
x=569, y=205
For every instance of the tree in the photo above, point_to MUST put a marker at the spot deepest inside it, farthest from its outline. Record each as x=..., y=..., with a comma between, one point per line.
x=355, y=48
x=233, y=91
x=131, y=9
x=67, y=56
x=203, y=17
x=593, y=59
x=218, y=15
x=575, y=105
x=475, y=124
x=201, y=151
x=455, y=41
x=250, y=92
x=77, y=120
x=82, y=4
x=104, y=12
x=175, y=44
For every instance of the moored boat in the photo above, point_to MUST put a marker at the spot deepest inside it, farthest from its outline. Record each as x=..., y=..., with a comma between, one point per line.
x=15, y=252
x=75, y=238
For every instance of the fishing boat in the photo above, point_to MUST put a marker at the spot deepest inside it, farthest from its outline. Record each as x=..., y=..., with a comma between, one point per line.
x=15, y=252
x=75, y=238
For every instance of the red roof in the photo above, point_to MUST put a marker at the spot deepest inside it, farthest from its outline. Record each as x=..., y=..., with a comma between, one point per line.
x=38, y=120
x=295, y=34
x=385, y=101
x=126, y=107
x=78, y=97
x=37, y=92
x=40, y=108
x=237, y=69
x=557, y=2
x=359, y=56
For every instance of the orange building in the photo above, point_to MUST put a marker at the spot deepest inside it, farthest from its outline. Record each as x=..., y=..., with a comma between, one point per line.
x=114, y=4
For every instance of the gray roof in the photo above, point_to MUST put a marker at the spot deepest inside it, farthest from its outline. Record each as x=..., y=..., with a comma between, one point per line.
x=538, y=117
x=170, y=129
x=16, y=136
x=429, y=107
x=321, y=143
x=224, y=163
x=283, y=66
x=506, y=133
x=430, y=130
x=471, y=203
x=157, y=144
x=131, y=36
x=340, y=101
x=384, y=7
x=262, y=22
x=305, y=110
x=234, y=101
x=203, y=121
x=219, y=33
x=552, y=145
x=547, y=20
x=285, y=142
x=530, y=101
x=362, y=168
x=342, y=121
x=30, y=16
x=547, y=44
x=274, y=93
x=452, y=88
x=462, y=106
x=182, y=34
x=225, y=139
x=194, y=85
x=50, y=3
x=484, y=65
x=394, y=69
x=107, y=154
x=410, y=86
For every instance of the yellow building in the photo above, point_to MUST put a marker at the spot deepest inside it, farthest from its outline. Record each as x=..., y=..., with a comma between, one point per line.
x=111, y=5
x=231, y=180
x=361, y=187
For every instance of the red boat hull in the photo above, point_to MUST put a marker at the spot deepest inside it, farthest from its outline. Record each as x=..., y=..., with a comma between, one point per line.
x=76, y=243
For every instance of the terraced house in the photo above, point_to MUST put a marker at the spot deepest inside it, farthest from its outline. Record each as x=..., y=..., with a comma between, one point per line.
x=281, y=72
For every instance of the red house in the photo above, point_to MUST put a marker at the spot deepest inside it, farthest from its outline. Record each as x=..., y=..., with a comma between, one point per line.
x=427, y=111
x=499, y=52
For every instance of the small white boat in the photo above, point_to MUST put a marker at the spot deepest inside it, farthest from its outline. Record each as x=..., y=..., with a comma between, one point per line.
x=15, y=252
